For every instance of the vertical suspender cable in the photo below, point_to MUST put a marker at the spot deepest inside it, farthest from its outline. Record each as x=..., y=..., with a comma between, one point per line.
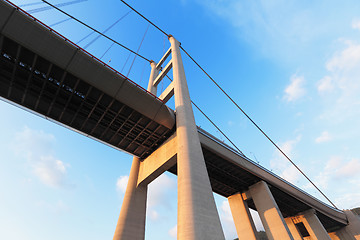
x=54, y=24
x=86, y=25
x=142, y=40
x=106, y=30
x=57, y=5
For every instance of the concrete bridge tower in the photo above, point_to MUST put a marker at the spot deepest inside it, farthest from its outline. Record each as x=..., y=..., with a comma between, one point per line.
x=197, y=214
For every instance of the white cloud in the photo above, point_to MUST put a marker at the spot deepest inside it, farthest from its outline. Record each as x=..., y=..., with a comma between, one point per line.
x=154, y=215
x=173, y=232
x=158, y=191
x=356, y=24
x=346, y=60
x=257, y=221
x=281, y=165
x=227, y=220
x=349, y=200
x=333, y=163
x=343, y=78
x=325, y=85
x=161, y=194
x=349, y=169
x=57, y=207
x=324, y=137
x=50, y=170
x=338, y=170
x=295, y=90
x=37, y=148
x=121, y=183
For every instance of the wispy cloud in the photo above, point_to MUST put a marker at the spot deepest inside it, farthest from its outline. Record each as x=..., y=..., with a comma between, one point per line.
x=324, y=137
x=295, y=90
x=159, y=192
x=282, y=29
x=325, y=85
x=282, y=165
x=330, y=172
x=356, y=24
x=339, y=172
x=121, y=183
x=342, y=78
x=173, y=232
x=228, y=222
x=37, y=148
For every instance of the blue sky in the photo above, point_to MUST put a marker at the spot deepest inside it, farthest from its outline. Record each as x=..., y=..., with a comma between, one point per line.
x=293, y=66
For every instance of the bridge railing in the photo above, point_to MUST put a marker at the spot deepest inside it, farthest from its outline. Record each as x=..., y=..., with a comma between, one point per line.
x=83, y=50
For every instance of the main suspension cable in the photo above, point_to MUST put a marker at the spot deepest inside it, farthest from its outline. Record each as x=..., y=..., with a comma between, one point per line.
x=145, y=18
x=248, y=117
x=86, y=25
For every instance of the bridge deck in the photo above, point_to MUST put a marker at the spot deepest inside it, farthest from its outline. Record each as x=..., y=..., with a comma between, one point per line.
x=46, y=73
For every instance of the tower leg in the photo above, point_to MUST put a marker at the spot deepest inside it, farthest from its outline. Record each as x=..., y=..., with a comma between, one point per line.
x=197, y=214
x=131, y=223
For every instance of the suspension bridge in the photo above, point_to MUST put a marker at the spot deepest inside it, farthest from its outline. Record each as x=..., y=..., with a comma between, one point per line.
x=51, y=76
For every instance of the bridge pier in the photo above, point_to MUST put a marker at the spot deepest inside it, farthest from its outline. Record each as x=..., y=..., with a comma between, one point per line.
x=244, y=223
x=313, y=225
x=131, y=223
x=270, y=215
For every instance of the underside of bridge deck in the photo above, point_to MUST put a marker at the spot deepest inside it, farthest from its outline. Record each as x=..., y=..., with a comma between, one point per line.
x=35, y=83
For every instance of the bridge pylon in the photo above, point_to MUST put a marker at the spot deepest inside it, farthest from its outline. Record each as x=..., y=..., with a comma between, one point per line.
x=197, y=214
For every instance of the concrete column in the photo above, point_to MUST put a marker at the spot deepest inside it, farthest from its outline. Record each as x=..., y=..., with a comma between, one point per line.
x=293, y=229
x=197, y=214
x=154, y=73
x=314, y=226
x=270, y=215
x=244, y=223
x=131, y=223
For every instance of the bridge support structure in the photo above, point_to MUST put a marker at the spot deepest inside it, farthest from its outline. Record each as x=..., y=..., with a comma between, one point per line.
x=293, y=229
x=197, y=214
x=131, y=223
x=270, y=215
x=244, y=223
x=349, y=232
x=277, y=227
x=312, y=224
